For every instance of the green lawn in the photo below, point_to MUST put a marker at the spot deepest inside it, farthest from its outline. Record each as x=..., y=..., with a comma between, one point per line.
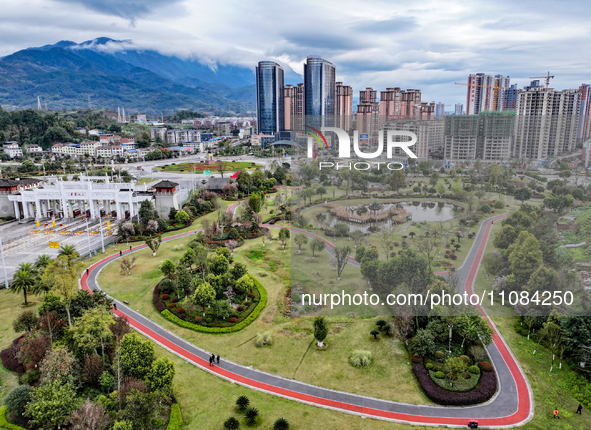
x=291, y=355
x=230, y=166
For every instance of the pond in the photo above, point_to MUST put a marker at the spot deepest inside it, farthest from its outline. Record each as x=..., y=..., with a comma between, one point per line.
x=417, y=211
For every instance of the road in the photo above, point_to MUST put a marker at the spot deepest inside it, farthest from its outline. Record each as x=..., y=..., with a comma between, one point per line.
x=511, y=406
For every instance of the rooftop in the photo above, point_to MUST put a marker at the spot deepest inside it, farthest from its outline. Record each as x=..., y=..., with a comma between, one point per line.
x=166, y=184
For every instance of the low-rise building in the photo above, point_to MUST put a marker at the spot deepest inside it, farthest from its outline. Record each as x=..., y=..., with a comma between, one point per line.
x=262, y=140
x=89, y=147
x=106, y=139
x=34, y=149
x=158, y=132
x=12, y=149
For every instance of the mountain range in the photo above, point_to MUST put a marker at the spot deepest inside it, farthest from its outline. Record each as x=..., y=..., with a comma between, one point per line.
x=107, y=73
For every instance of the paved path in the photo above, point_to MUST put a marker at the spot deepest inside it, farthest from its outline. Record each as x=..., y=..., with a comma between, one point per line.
x=512, y=406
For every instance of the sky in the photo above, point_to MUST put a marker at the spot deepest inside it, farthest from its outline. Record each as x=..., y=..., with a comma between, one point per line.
x=377, y=43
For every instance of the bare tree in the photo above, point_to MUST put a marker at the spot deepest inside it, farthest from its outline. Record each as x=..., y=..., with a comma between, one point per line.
x=428, y=244
x=386, y=239
x=403, y=327
x=90, y=416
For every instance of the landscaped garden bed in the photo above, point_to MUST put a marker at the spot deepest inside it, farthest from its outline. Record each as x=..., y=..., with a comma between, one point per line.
x=219, y=296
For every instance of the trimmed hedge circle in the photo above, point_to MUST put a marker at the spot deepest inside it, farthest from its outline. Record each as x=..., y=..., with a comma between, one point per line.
x=485, y=389
x=245, y=322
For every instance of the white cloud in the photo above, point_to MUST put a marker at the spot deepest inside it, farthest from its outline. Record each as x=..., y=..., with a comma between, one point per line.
x=377, y=43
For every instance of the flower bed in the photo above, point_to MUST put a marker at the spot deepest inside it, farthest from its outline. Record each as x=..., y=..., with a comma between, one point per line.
x=486, y=388
x=244, y=320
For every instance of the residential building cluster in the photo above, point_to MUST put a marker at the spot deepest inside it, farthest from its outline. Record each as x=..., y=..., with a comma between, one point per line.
x=498, y=122
x=534, y=122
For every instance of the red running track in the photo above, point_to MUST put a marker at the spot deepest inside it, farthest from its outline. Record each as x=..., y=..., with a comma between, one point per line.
x=520, y=417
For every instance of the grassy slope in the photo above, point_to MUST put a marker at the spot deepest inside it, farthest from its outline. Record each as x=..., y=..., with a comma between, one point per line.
x=290, y=356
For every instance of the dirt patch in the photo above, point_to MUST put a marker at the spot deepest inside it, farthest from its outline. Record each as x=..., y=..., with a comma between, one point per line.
x=293, y=334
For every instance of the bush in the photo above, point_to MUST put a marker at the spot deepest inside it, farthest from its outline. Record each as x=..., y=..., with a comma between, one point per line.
x=166, y=285
x=251, y=415
x=242, y=402
x=439, y=375
x=416, y=359
x=485, y=389
x=240, y=308
x=165, y=296
x=17, y=399
x=453, y=256
x=30, y=377
x=181, y=310
x=429, y=366
x=26, y=321
x=465, y=359
x=478, y=353
x=281, y=424
x=10, y=360
x=485, y=366
x=485, y=209
x=381, y=323
x=197, y=319
x=233, y=319
x=474, y=370
x=498, y=204
x=263, y=339
x=172, y=305
x=439, y=355
x=175, y=420
x=360, y=358
x=466, y=375
x=231, y=424
x=160, y=306
x=174, y=300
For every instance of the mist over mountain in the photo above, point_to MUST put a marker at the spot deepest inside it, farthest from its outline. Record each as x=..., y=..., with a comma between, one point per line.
x=113, y=73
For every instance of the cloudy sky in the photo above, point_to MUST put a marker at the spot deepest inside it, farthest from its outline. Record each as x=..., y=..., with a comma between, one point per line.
x=378, y=43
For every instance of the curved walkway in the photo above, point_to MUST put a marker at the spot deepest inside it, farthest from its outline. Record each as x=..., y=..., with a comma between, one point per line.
x=511, y=407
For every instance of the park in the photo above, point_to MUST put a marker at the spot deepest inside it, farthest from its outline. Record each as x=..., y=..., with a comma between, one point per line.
x=229, y=282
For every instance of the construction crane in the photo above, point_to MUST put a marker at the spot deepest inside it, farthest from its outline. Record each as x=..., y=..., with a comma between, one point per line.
x=496, y=88
x=546, y=78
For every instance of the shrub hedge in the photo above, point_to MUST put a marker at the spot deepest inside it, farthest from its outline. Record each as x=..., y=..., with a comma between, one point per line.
x=483, y=391
x=175, y=420
x=5, y=424
x=250, y=318
x=10, y=359
x=485, y=366
x=474, y=370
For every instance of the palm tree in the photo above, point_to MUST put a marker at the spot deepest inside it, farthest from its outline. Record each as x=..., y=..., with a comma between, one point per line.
x=68, y=251
x=42, y=262
x=24, y=280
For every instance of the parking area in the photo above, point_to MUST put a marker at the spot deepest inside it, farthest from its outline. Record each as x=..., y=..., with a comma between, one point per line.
x=23, y=243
